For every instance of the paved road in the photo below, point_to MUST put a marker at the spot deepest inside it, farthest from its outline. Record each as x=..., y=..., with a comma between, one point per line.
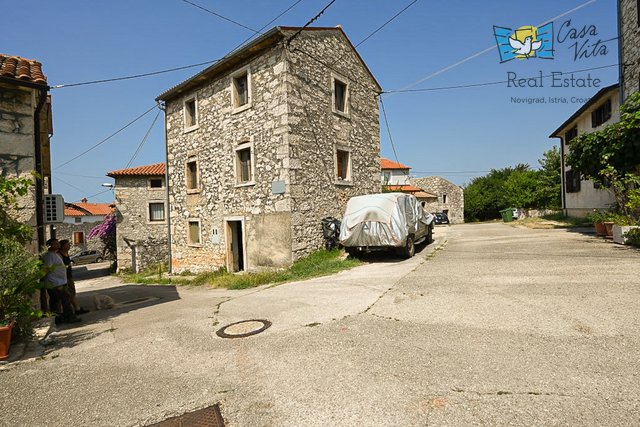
x=500, y=326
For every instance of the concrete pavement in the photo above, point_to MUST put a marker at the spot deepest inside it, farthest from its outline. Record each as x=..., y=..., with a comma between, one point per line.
x=503, y=326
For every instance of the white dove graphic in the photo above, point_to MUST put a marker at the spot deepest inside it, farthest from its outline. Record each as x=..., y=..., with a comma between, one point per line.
x=525, y=48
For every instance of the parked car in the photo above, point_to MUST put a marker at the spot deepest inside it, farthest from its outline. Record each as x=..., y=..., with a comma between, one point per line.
x=385, y=221
x=87, y=257
x=441, y=218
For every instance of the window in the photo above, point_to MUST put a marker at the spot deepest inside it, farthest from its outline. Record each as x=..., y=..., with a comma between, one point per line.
x=78, y=237
x=156, y=182
x=194, y=237
x=241, y=90
x=77, y=220
x=156, y=211
x=571, y=133
x=572, y=181
x=638, y=11
x=386, y=177
x=444, y=198
x=190, y=113
x=244, y=163
x=340, y=94
x=343, y=165
x=601, y=114
x=192, y=175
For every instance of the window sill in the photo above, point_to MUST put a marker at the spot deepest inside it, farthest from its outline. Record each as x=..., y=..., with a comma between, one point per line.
x=245, y=184
x=343, y=182
x=343, y=114
x=156, y=222
x=191, y=129
x=195, y=245
x=193, y=191
x=237, y=110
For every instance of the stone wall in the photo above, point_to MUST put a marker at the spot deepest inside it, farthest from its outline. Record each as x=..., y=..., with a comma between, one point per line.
x=316, y=131
x=630, y=42
x=17, y=150
x=440, y=187
x=141, y=243
x=66, y=230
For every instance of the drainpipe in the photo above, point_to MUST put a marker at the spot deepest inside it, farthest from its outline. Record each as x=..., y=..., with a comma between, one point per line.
x=40, y=178
x=562, y=175
x=620, y=55
x=163, y=107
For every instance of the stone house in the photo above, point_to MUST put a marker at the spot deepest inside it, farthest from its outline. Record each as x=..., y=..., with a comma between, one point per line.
x=449, y=198
x=579, y=196
x=264, y=144
x=141, y=228
x=25, y=129
x=79, y=219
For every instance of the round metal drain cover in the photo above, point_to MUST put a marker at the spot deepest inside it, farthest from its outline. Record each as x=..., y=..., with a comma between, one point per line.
x=243, y=328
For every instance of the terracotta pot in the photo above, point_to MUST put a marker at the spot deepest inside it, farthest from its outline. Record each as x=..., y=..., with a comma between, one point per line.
x=609, y=227
x=601, y=230
x=5, y=341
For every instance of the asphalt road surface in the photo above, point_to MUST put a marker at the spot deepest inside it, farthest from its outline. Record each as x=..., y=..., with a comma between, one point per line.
x=489, y=325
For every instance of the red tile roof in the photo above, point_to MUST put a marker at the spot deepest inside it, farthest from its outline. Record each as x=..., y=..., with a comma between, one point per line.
x=389, y=164
x=156, y=169
x=403, y=188
x=84, y=209
x=22, y=69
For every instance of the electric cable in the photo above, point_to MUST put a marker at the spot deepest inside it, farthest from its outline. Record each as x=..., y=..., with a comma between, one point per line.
x=107, y=138
x=135, y=154
x=297, y=33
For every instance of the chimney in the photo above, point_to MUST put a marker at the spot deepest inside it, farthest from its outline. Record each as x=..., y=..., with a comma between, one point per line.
x=85, y=200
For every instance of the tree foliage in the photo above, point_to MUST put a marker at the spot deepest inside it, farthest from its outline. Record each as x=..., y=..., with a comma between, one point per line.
x=11, y=189
x=514, y=187
x=611, y=157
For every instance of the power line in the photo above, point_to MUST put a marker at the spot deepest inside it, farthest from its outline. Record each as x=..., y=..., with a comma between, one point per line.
x=220, y=16
x=384, y=114
x=464, y=86
x=81, y=176
x=107, y=138
x=143, y=140
x=97, y=194
x=482, y=52
x=297, y=33
x=135, y=76
x=386, y=23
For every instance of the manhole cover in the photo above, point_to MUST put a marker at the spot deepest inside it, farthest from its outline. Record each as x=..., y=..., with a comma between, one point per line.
x=243, y=328
x=206, y=417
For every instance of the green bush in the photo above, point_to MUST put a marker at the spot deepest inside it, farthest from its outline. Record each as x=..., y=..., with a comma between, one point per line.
x=633, y=236
x=20, y=273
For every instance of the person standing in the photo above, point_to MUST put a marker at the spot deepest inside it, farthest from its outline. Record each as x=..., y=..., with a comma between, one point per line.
x=65, y=245
x=56, y=283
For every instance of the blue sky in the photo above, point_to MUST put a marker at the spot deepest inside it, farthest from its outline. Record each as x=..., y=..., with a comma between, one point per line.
x=455, y=133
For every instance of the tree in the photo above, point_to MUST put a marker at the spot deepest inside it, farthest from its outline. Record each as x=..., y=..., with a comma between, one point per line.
x=12, y=188
x=106, y=231
x=549, y=192
x=611, y=157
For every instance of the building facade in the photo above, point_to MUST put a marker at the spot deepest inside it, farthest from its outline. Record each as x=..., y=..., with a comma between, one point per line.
x=25, y=130
x=141, y=228
x=628, y=42
x=79, y=219
x=449, y=198
x=579, y=196
x=264, y=144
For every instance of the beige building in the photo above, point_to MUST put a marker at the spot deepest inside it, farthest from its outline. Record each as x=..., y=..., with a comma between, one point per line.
x=579, y=196
x=264, y=144
x=25, y=129
x=395, y=178
x=79, y=219
x=141, y=209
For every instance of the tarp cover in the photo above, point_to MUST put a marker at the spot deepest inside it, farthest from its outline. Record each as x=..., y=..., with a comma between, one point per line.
x=383, y=219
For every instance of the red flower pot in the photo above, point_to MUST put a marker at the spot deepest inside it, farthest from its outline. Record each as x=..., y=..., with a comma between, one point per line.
x=609, y=226
x=5, y=341
x=601, y=230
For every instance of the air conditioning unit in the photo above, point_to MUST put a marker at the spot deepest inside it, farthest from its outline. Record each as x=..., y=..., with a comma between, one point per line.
x=53, y=208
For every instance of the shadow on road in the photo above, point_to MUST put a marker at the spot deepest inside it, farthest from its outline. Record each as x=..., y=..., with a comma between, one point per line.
x=91, y=271
x=387, y=256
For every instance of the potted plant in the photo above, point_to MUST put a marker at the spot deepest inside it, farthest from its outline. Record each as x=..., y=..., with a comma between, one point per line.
x=598, y=218
x=20, y=273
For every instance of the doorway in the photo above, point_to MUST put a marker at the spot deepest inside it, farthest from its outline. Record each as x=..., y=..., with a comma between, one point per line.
x=235, y=246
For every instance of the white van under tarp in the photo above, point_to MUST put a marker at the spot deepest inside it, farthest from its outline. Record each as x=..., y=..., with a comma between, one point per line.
x=383, y=220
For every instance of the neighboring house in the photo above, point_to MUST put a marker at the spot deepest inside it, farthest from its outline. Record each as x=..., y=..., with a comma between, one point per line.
x=395, y=178
x=79, y=219
x=25, y=129
x=579, y=196
x=141, y=229
x=449, y=197
x=628, y=42
x=264, y=144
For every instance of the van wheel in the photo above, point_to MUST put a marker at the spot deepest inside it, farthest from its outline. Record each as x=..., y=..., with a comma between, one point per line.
x=352, y=252
x=409, y=248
